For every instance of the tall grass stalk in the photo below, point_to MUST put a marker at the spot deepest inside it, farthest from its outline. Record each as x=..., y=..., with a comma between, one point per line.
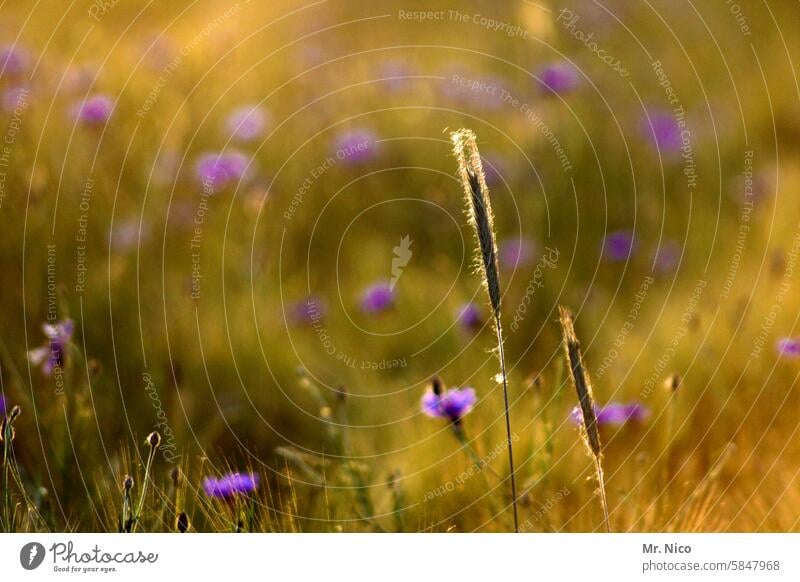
x=672, y=384
x=479, y=210
x=583, y=387
x=126, y=519
x=7, y=435
x=153, y=441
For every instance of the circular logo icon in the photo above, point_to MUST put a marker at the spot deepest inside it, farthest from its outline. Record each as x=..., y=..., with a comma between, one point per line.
x=31, y=555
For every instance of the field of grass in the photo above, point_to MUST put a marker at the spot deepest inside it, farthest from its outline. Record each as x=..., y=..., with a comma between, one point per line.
x=241, y=293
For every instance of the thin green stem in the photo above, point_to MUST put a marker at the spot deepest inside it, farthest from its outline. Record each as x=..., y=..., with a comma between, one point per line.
x=6, y=492
x=501, y=355
x=458, y=431
x=144, y=489
x=602, y=485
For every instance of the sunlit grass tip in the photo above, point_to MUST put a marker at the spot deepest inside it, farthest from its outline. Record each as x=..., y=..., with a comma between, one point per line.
x=479, y=211
x=590, y=431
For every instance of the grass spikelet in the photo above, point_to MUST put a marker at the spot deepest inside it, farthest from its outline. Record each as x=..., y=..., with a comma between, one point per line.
x=479, y=211
x=583, y=387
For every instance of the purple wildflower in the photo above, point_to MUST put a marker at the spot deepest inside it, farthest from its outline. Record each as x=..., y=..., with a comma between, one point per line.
x=753, y=186
x=307, y=311
x=13, y=61
x=52, y=356
x=667, y=256
x=79, y=79
x=559, y=78
x=662, y=128
x=158, y=50
x=230, y=485
x=453, y=404
x=469, y=316
x=788, y=347
x=450, y=87
x=468, y=87
x=619, y=245
x=516, y=252
x=2, y=405
x=127, y=234
x=216, y=171
x=394, y=75
x=356, y=146
x=614, y=414
x=487, y=93
x=618, y=414
x=310, y=55
x=15, y=99
x=93, y=111
x=377, y=297
x=247, y=123
x=495, y=167
x=166, y=166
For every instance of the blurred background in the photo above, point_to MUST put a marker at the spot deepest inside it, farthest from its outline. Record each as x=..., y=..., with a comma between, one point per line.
x=251, y=216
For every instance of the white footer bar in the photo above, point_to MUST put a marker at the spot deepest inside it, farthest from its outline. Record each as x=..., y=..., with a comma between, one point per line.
x=406, y=557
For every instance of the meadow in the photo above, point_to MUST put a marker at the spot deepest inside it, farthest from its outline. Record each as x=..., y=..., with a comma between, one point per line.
x=250, y=282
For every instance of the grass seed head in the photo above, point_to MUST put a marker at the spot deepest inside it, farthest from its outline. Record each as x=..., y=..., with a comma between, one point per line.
x=479, y=210
x=674, y=382
x=582, y=385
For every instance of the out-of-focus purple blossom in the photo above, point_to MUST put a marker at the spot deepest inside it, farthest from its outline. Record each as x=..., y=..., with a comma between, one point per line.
x=469, y=316
x=181, y=214
x=96, y=110
x=487, y=92
x=666, y=257
x=14, y=61
x=452, y=404
x=229, y=486
x=495, y=166
x=2, y=405
x=159, y=50
x=450, y=86
x=614, y=414
x=217, y=171
x=377, y=297
x=79, y=79
x=619, y=245
x=356, y=146
x=618, y=414
x=560, y=78
x=751, y=187
x=663, y=129
x=166, y=166
x=127, y=235
x=52, y=357
x=394, y=74
x=310, y=55
x=15, y=99
x=469, y=87
x=307, y=311
x=247, y=123
x=788, y=347
x=516, y=252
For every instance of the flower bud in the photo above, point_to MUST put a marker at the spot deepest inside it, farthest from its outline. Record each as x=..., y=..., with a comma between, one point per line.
x=182, y=522
x=153, y=439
